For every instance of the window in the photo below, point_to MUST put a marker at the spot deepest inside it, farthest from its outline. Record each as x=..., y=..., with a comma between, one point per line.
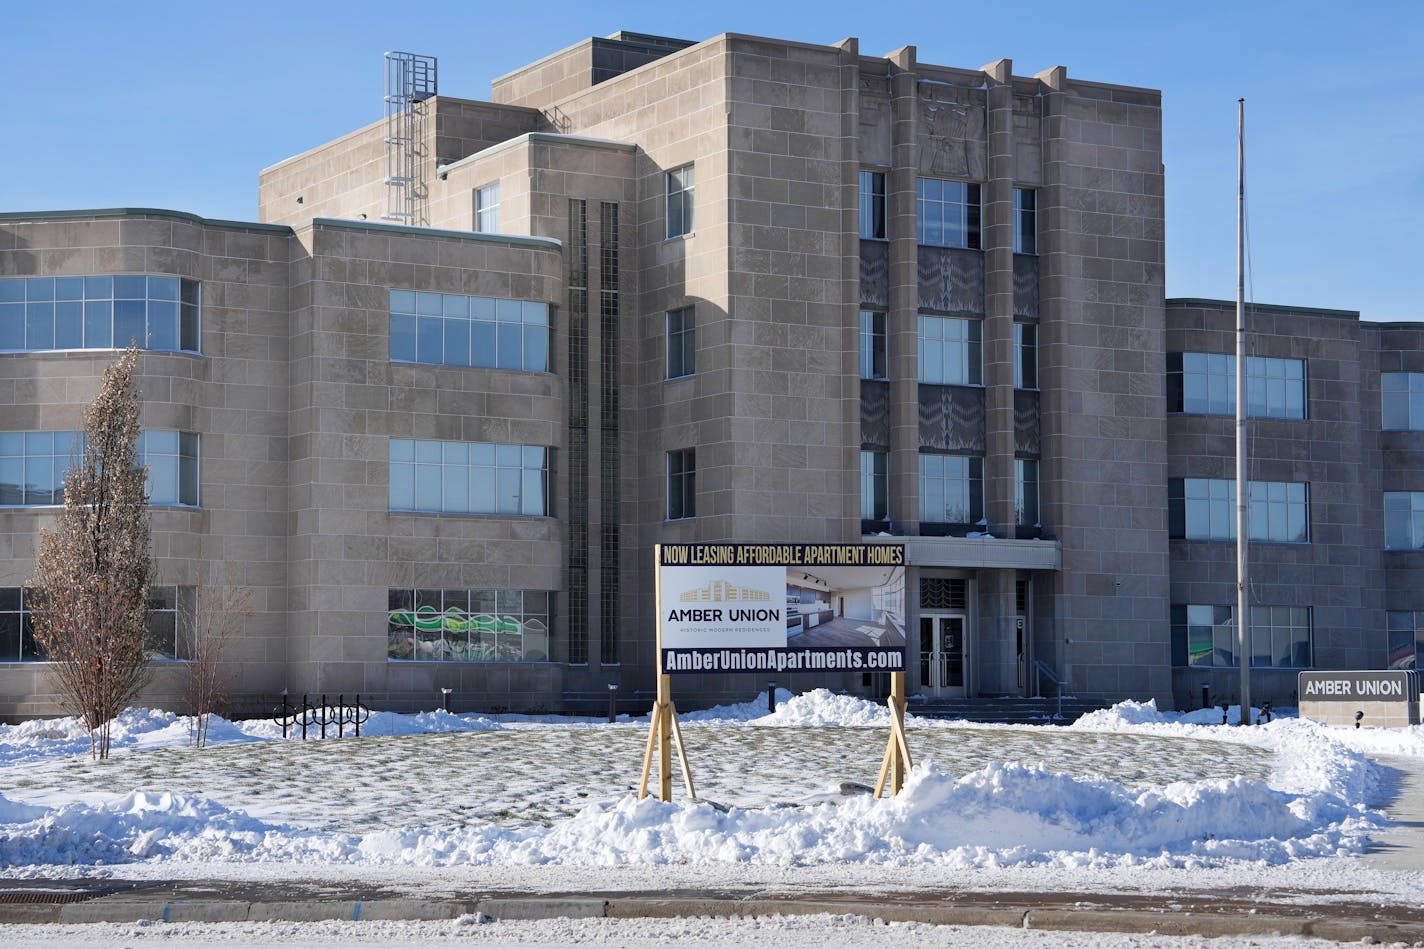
x=170, y=622
x=1205, y=635
x=1026, y=492
x=169, y=635
x=872, y=205
x=948, y=213
x=1025, y=221
x=1025, y=356
x=1404, y=520
x=680, y=192
x=487, y=208
x=33, y=466
x=872, y=345
x=1406, y=639
x=1205, y=509
x=951, y=351
x=951, y=489
x=1402, y=397
x=468, y=625
x=874, y=503
x=681, y=484
x=681, y=342
x=447, y=329
x=1205, y=384
x=108, y=312
x=469, y=478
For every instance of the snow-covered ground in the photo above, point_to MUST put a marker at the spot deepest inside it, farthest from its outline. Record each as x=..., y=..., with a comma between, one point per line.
x=1125, y=799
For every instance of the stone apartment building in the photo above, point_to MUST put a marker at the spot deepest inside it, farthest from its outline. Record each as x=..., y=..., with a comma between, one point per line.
x=737, y=290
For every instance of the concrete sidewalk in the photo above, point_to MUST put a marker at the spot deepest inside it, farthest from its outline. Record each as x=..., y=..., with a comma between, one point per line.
x=1202, y=914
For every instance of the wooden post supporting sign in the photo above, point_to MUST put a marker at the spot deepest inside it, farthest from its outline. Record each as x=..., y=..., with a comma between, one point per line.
x=896, y=762
x=663, y=729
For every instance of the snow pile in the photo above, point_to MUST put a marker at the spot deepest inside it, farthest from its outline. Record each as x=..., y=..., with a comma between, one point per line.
x=821, y=707
x=739, y=712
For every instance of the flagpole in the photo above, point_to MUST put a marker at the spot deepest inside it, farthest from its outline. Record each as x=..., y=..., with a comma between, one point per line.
x=1243, y=487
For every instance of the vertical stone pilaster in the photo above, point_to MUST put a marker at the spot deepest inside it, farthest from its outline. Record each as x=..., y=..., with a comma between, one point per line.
x=901, y=329
x=998, y=243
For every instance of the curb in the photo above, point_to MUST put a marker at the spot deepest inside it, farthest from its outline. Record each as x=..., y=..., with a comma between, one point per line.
x=1352, y=923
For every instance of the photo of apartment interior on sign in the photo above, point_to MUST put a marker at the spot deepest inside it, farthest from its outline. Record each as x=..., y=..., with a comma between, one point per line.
x=845, y=606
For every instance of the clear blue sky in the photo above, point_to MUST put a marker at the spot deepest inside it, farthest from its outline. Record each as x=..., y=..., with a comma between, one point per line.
x=178, y=105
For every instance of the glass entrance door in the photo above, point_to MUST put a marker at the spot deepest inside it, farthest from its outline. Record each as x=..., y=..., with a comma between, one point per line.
x=942, y=655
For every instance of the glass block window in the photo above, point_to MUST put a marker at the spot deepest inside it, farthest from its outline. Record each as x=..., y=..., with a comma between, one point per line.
x=948, y=213
x=437, y=477
x=1205, y=635
x=33, y=466
x=951, y=350
x=104, y=312
x=1205, y=509
x=469, y=625
x=682, y=484
x=487, y=209
x=872, y=205
x=1406, y=639
x=1404, y=520
x=1025, y=356
x=1402, y=401
x=448, y=329
x=681, y=342
x=679, y=200
x=1025, y=221
x=951, y=489
x=872, y=345
x=1205, y=384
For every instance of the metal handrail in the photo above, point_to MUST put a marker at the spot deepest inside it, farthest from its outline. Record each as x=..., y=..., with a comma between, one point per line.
x=1044, y=669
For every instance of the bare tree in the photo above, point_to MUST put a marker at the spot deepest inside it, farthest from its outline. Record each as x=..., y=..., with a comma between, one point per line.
x=210, y=617
x=90, y=585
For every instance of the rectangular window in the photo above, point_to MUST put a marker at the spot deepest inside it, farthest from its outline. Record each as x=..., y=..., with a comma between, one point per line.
x=1205, y=635
x=1025, y=355
x=449, y=329
x=17, y=631
x=872, y=205
x=487, y=208
x=1025, y=221
x=34, y=466
x=468, y=625
x=681, y=342
x=107, y=312
x=872, y=345
x=169, y=634
x=1406, y=639
x=1404, y=520
x=1205, y=509
x=1205, y=384
x=951, y=489
x=438, y=477
x=680, y=191
x=681, y=484
x=951, y=351
x=1026, y=492
x=947, y=213
x=874, y=497
x=1402, y=401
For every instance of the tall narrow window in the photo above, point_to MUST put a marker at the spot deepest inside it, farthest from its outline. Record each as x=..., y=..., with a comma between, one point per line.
x=1026, y=492
x=872, y=345
x=1404, y=520
x=872, y=205
x=487, y=208
x=681, y=343
x=1402, y=401
x=874, y=499
x=1025, y=356
x=948, y=213
x=679, y=201
x=682, y=484
x=1025, y=221
x=951, y=351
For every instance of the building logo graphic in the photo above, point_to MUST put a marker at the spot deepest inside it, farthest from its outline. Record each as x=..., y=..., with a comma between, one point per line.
x=724, y=591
